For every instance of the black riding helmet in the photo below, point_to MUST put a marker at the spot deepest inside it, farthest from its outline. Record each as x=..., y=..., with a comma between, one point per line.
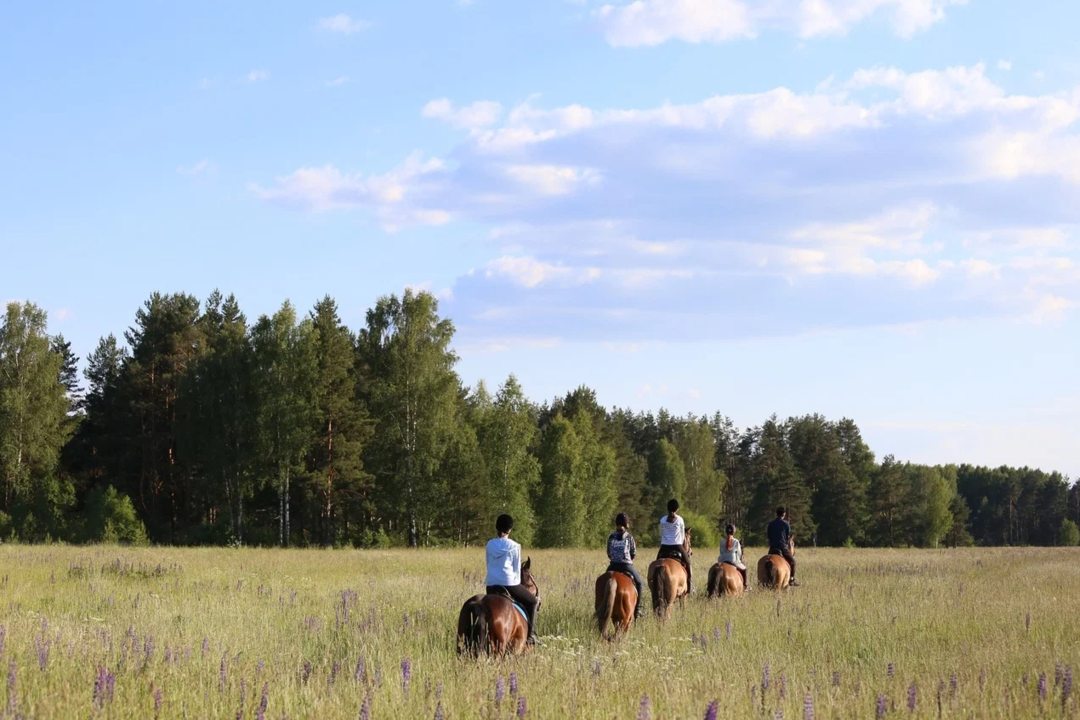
x=504, y=523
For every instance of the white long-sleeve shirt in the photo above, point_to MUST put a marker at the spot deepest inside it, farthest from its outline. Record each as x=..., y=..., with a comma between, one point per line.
x=672, y=533
x=503, y=562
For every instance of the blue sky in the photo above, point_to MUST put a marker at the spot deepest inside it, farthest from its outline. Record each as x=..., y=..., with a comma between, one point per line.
x=864, y=208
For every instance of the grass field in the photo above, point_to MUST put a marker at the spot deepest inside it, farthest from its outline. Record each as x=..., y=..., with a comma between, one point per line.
x=224, y=633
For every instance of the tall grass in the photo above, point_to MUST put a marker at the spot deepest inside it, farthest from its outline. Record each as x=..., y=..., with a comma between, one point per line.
x=255, y=633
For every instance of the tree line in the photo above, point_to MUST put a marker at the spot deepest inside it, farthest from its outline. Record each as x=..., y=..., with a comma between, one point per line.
x=203, y=428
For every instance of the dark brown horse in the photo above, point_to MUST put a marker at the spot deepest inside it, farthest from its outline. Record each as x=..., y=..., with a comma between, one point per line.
x=492, y=624
x=668, y=581
x=774, y=572
x=616, y=598
x=725, y=579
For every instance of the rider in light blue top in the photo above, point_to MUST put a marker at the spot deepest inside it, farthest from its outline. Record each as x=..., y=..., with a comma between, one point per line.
x=503, y=557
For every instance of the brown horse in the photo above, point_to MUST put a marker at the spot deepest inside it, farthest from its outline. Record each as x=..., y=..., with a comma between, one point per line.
x=774, y=572
x=616, y=598
x=725, y=579
x=668, y=581
x=492, y=624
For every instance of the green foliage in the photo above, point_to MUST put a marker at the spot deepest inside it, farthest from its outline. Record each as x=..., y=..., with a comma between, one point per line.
x=561, y=510
x=413, y=395
x=111, y=518
x=299, y=432
x=706, y=530
x=1069, y=534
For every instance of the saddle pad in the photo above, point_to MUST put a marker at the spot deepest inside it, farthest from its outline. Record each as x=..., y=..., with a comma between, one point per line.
x=521, y=611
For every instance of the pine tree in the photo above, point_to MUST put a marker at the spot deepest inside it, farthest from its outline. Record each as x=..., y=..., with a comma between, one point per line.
x=335, y=471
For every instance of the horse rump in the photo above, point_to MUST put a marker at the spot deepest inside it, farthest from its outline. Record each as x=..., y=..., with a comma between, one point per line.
x=606, y=589
x=472, y=634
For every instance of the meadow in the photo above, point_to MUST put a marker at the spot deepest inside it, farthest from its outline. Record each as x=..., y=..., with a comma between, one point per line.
x=113, y=632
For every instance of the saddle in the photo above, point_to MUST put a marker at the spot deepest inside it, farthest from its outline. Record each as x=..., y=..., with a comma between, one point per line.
x=503, y=592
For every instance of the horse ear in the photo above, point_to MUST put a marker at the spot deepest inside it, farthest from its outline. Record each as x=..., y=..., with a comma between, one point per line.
x=528, y=563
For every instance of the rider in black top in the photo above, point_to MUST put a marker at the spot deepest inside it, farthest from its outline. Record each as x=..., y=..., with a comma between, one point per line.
x=779, y=534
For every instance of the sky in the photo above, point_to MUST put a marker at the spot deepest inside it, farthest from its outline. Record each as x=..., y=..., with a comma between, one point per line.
x=859, y=208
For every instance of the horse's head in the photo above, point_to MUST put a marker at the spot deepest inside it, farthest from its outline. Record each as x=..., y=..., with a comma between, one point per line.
x=528, y=580
x=791, y=544
x=687, y=550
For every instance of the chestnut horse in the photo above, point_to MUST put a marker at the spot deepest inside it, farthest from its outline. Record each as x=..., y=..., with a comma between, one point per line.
x=725, y=579
x=773, y=571
x=668, y=581
x=616, y=598
x=492, y=623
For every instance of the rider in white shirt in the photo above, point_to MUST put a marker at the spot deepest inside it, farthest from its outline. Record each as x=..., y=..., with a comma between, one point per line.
x=503, y=557
x=672, y=537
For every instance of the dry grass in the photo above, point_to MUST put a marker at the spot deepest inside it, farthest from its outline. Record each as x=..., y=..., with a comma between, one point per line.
x=211, y=632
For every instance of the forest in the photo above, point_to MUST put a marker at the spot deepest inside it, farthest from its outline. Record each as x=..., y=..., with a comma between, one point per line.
x=200, y=428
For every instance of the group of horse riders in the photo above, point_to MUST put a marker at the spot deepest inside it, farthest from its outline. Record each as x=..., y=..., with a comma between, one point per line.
x=504, y=568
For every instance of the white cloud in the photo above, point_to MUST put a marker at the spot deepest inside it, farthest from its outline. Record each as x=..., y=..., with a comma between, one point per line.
x=254, y=76
x=474, y=116
x=1005, y=65
x=342, y=23
x=552, y=179
x=391, y=194
x=652, y=22
x=530, y=272
x=338, y=81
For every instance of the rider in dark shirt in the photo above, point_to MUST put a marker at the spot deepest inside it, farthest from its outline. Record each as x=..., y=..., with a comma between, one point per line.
x=621, y=550
x=779, y=534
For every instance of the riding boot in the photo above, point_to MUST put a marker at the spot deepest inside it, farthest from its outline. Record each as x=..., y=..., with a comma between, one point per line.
x=639, y=612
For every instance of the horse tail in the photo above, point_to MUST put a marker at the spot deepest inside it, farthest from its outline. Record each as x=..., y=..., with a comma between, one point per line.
x=472, y=628
x=605, y=602
x=663, y=589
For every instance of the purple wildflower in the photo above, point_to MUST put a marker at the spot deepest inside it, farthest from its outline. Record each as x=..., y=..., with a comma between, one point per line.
x=808, y=707
x=1041, y=687
x=305, y=672
x=982, y=680
x=912, y=696
x=890, y=670
x=11, y=680
x=41, y=646
x=365, y=707
x=360, y=674
x=500, y=690
x=644, y=709
x=223, y=672
x=334, y=670
x=596, y=668
x=158, y=697
x=778, y=714
x=881, y=707
x=3, y=636
x=1066, y=687
x=727, y=628
x=716, y=634
x=264, y=701
x=954, y=683
x=406, y=674
x=711, y=710
x=104, y=685
x=836, y=678
x=205, y=645
x=783, y=686
x=764, y=678
x=439, y=713
x=522, y=706
x=513, y=683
